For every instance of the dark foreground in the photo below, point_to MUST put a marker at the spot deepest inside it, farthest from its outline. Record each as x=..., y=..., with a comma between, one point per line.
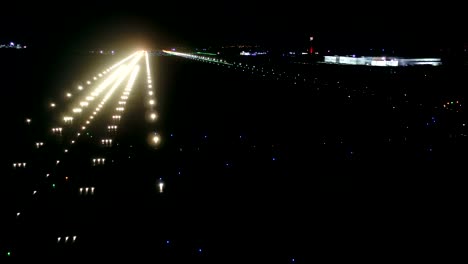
x=340, y=163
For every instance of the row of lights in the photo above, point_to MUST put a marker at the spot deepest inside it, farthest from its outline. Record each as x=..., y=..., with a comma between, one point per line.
x=78, y=110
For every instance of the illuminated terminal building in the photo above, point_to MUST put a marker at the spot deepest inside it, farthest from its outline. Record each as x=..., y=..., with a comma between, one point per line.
x=382, y=61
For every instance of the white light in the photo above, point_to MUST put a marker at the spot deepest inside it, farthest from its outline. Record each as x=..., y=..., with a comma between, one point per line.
x=161, y=186
x=153, y=116
x=77, y=110
x=69, y=95
x=52, y=105
x=80, y=87
x=151, y=102
x=156, y=139
x=28, y=120
x=88, y=82
x=150, y=93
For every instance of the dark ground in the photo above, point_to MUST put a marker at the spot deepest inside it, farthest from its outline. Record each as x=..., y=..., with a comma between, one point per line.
x=257, y=169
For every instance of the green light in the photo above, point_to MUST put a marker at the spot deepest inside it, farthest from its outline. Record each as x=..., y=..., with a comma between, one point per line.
x=8, y=253
x=53, y=185
x=451, y=102
x=206, y=53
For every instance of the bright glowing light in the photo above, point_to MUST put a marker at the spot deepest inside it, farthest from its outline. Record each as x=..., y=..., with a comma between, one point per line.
x=151, y=102
x=80, y=87
x=153, y=116
x=88, y=82
x=77, y=110
x=69, y=95
x=28, y=120
x=161, y=187
x=150, y=93
x=156, y=139
x=84, y=104
x=52, y=105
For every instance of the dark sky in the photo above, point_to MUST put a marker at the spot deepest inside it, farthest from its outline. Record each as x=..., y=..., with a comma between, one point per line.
x=172, y=23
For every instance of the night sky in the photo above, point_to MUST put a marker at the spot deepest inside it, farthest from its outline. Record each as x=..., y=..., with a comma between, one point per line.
x=159, y=25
